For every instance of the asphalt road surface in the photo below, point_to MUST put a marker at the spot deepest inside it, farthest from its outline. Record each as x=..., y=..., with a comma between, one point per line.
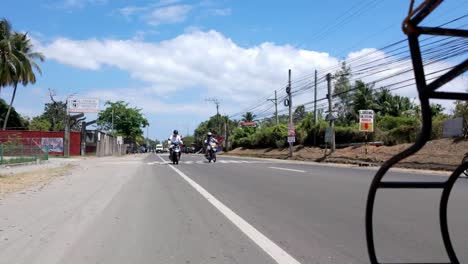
x=236, y=210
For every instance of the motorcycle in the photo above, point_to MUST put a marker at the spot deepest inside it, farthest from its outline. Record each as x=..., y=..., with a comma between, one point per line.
x=211, y=152
x=175, y=154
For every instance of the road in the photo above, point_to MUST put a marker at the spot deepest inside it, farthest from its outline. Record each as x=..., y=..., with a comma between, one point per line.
x=237, y=210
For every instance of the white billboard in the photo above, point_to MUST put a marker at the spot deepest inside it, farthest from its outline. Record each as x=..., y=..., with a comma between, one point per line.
x=83, y=105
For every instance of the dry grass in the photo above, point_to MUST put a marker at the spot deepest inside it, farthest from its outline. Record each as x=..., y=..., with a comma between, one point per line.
x=442, y=154
x=10, y=183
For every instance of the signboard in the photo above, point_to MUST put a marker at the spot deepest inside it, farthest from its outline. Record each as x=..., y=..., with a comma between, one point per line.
x=119, y=140
x=366, y=120
x=328, y=135
x=52, y=144
x=291, y=130
x=291, y=139
x=249, y=124
x=83, y=105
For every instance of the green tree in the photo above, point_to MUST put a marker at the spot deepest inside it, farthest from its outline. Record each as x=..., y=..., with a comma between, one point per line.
x=127, y=121
x=299, y=114
x=15, y=120
x=248, y=117
x=343, y=90
x=437, y=110
x=17, y=52
x=461, y=110
x=38, y=123
x=55, y=113
x=363, y=98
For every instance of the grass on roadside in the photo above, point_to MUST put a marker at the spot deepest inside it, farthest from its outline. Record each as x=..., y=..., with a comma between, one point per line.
x=10, y=183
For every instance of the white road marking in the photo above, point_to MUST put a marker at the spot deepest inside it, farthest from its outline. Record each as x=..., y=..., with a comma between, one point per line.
x=189, y=162
x=278, y=168
x=199, y=161
x=223, y=161
x=275, y=252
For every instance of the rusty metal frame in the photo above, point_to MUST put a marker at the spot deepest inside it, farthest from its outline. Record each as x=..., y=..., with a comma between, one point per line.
x=426, y=92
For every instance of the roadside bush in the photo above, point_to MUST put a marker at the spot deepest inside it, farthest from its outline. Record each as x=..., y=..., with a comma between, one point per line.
x=267, y=137
x=351, y=134
x=402, y=134
x=387, y=123
x=437, y=127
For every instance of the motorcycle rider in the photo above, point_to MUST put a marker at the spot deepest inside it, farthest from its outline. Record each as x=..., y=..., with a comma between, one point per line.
x=210, y=139
x=173, y=139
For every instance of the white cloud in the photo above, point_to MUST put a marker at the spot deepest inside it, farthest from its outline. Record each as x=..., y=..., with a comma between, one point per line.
x=194, y=59
x=222, y=12
x=168, y=15
x=162, y=12
x=77, y=3
x=209, y=61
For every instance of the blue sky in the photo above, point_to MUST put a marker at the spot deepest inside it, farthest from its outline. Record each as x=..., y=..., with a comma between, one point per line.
x=168, y=56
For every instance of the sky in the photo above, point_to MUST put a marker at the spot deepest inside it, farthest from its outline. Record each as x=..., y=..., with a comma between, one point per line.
x=168, y=57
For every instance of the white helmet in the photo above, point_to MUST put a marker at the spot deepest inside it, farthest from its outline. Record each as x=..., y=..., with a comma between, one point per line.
x=209, y=134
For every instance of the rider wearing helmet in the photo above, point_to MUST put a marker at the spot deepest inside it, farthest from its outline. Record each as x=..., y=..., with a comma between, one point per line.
x=173, y=139
x=210, y=139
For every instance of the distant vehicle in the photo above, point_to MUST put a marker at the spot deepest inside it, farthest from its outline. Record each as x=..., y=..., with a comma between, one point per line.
x=159, y=148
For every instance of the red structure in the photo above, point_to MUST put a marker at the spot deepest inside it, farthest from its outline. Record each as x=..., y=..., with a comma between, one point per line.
x=41, y=137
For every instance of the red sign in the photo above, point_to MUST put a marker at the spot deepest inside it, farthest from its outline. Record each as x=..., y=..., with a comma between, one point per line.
x=250, y=124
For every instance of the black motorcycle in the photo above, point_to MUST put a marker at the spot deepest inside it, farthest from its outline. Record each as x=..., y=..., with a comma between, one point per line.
x=211, y=152
x=175, y=153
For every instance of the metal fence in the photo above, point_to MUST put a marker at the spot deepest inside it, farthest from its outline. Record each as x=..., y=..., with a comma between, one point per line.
x=19, y=150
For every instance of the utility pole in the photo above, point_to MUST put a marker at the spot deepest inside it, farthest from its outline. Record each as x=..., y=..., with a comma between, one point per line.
x=315, y=108
x=112, y=130
x=217, y=103
x=290, y=126
x=66, y=136
x=330, y=114
x=275, y=101
x=315, y=99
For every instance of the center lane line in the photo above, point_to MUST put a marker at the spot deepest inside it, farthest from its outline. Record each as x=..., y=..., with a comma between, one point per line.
x=273, y=250
x=286, y=169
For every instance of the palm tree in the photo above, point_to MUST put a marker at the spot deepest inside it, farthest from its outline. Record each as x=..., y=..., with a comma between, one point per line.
x=248, y=117
x=363, y=97
x=24, y=65
x=8, y=61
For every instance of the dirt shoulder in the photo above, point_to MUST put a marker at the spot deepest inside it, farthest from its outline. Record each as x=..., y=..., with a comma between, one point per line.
x=15, y=182
x=442, y=154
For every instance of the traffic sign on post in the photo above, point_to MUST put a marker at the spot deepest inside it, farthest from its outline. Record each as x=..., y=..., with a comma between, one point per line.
x=366, y=120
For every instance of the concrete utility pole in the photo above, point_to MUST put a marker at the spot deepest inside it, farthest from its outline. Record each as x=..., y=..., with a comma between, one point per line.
x=275, y=101
x=288, y=90
x=330, y=114
x=112, y=130
x=217, y=103
x=66, y=137
x=315, y=107
x=315, y=99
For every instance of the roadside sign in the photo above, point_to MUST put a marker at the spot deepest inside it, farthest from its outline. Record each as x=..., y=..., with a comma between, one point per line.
x=328, y=135
x=366, y=120
x=83, y=105
x=291, y=130
x=119, y=140
x=248, y=124
x=291, y=139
